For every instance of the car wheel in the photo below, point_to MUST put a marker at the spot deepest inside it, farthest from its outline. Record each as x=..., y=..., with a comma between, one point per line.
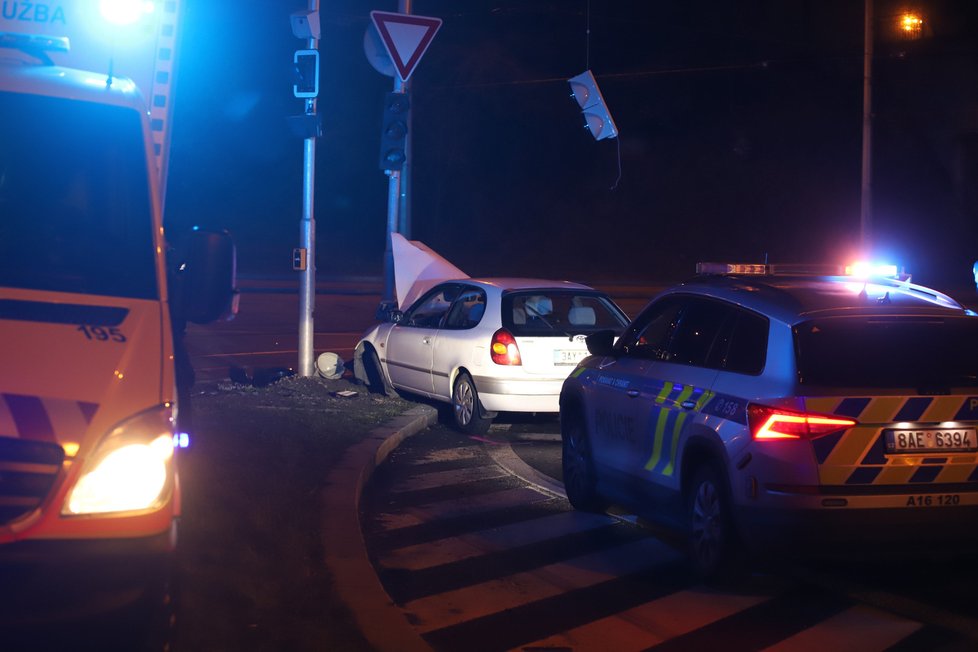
x=466, y=408
x=713, y=545
x=376, y=380
x=580, y=480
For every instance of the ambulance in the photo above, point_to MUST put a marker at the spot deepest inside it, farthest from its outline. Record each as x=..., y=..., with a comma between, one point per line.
x=92, y=299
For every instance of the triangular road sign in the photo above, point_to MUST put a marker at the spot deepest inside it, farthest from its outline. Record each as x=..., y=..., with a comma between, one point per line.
x=406, y=37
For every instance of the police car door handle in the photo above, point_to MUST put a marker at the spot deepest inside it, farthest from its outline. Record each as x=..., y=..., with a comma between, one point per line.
x=688, y=405
x=632, y=393
x=426, y=340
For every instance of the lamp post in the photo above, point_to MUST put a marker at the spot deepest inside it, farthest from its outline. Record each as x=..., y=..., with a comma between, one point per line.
x=866, y=204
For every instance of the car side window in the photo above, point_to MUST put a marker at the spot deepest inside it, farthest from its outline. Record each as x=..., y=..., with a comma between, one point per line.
x=743, y=347
x=468, y=309
x=648, y=338
x=696, y=331
x=431, y=309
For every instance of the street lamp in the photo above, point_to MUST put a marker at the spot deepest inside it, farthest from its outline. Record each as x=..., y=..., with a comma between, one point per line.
x=911, y=25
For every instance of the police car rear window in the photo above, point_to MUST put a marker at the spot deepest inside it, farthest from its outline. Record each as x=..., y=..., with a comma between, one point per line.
x=931, y=354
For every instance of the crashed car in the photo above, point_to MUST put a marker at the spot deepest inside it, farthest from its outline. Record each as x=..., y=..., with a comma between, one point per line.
x=485, y=345
x=784, y=409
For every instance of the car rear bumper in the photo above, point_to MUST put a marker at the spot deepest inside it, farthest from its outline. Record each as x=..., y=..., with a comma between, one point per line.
x=519, y=395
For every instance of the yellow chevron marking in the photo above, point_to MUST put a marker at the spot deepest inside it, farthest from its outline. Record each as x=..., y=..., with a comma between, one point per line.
x=684, y=395
x=896, y=474
x=882, y=409
x=852, y=447
x=704, y=399
x=660, y=428
x=834, y=474
x=664, y=394
x=824, y=405
x=955, y=473
x=942, y=408
x=680, y=418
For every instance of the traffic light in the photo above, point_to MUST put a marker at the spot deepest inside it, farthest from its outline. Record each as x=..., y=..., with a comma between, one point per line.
x=393, y=134
x=306, y=63
x=585, y=90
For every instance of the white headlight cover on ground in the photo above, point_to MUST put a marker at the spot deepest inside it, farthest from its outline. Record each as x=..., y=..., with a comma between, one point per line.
x=131, y=470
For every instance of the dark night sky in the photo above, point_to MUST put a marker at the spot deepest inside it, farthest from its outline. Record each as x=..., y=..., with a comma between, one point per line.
x=740, y=136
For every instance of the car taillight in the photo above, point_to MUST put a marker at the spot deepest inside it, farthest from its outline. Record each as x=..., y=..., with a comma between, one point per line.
x=503, y=348
x=767, y=423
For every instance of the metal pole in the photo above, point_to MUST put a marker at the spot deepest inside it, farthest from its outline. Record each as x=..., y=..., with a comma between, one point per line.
x=393, y=199
x=404, y=203
x=307, y=239
x=389, y=299
x=866, y=196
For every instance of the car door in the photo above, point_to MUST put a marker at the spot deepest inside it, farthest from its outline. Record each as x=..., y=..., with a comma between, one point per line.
x=622, y=386
x=411, y=341
x=457, y=341
x=677, y=386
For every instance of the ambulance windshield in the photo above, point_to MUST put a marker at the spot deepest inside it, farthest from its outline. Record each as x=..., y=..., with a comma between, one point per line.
x=75, y=212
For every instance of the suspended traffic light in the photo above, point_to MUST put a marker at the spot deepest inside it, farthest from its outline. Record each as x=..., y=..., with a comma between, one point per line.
x=393, y=134
x=598, y=119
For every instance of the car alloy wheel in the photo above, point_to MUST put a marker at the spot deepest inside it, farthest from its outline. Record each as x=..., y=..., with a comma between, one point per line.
x=577, y=466
x=712, y=542
x=376, y=380
x=466, y=408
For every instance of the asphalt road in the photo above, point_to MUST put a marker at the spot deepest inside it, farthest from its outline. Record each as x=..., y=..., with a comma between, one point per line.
x=477, y=557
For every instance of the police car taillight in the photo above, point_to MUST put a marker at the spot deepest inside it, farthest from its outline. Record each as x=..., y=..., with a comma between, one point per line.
x=767, y=423
x=503, y=348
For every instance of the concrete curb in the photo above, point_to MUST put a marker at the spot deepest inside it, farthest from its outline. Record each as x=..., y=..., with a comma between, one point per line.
x=382, y=622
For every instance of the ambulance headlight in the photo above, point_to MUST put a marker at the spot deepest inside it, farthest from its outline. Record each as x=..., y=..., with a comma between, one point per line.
x=131, y=469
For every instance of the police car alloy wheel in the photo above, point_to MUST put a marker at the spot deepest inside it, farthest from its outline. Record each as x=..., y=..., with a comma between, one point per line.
x=577, y=466
x=465, y=407
x=712, y=542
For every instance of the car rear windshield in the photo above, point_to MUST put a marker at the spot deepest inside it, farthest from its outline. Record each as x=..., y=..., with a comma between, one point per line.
x=924, y=353
x=546, y=312
x=75, y=212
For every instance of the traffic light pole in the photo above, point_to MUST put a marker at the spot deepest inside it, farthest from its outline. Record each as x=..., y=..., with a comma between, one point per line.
x=307, y=238
x=393, y=204
x=389, y=300
x=404, y=204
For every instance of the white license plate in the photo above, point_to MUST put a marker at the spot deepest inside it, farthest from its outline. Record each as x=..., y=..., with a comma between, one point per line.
x=931, y=440
x=569, y=356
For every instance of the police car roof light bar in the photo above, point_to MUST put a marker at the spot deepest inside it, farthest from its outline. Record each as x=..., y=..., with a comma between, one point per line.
x=780, y=269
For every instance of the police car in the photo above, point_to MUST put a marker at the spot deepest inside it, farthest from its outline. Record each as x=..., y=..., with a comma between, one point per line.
x=787, y=409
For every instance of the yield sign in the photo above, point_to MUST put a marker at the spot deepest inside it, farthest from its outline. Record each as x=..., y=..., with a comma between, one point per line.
x=405, y=37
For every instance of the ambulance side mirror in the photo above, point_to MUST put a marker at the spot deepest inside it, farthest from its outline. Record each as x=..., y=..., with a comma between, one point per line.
x=204, y=276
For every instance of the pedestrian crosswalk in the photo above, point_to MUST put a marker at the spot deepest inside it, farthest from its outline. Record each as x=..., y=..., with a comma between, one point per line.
x=477, y=559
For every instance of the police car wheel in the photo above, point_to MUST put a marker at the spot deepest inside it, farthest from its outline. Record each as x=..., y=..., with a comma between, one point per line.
x=577, y=466
x=376, y=380
x=712, y=541
x=466, y=408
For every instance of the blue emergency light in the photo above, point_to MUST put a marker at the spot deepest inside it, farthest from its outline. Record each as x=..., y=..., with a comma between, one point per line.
x=124, y=12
